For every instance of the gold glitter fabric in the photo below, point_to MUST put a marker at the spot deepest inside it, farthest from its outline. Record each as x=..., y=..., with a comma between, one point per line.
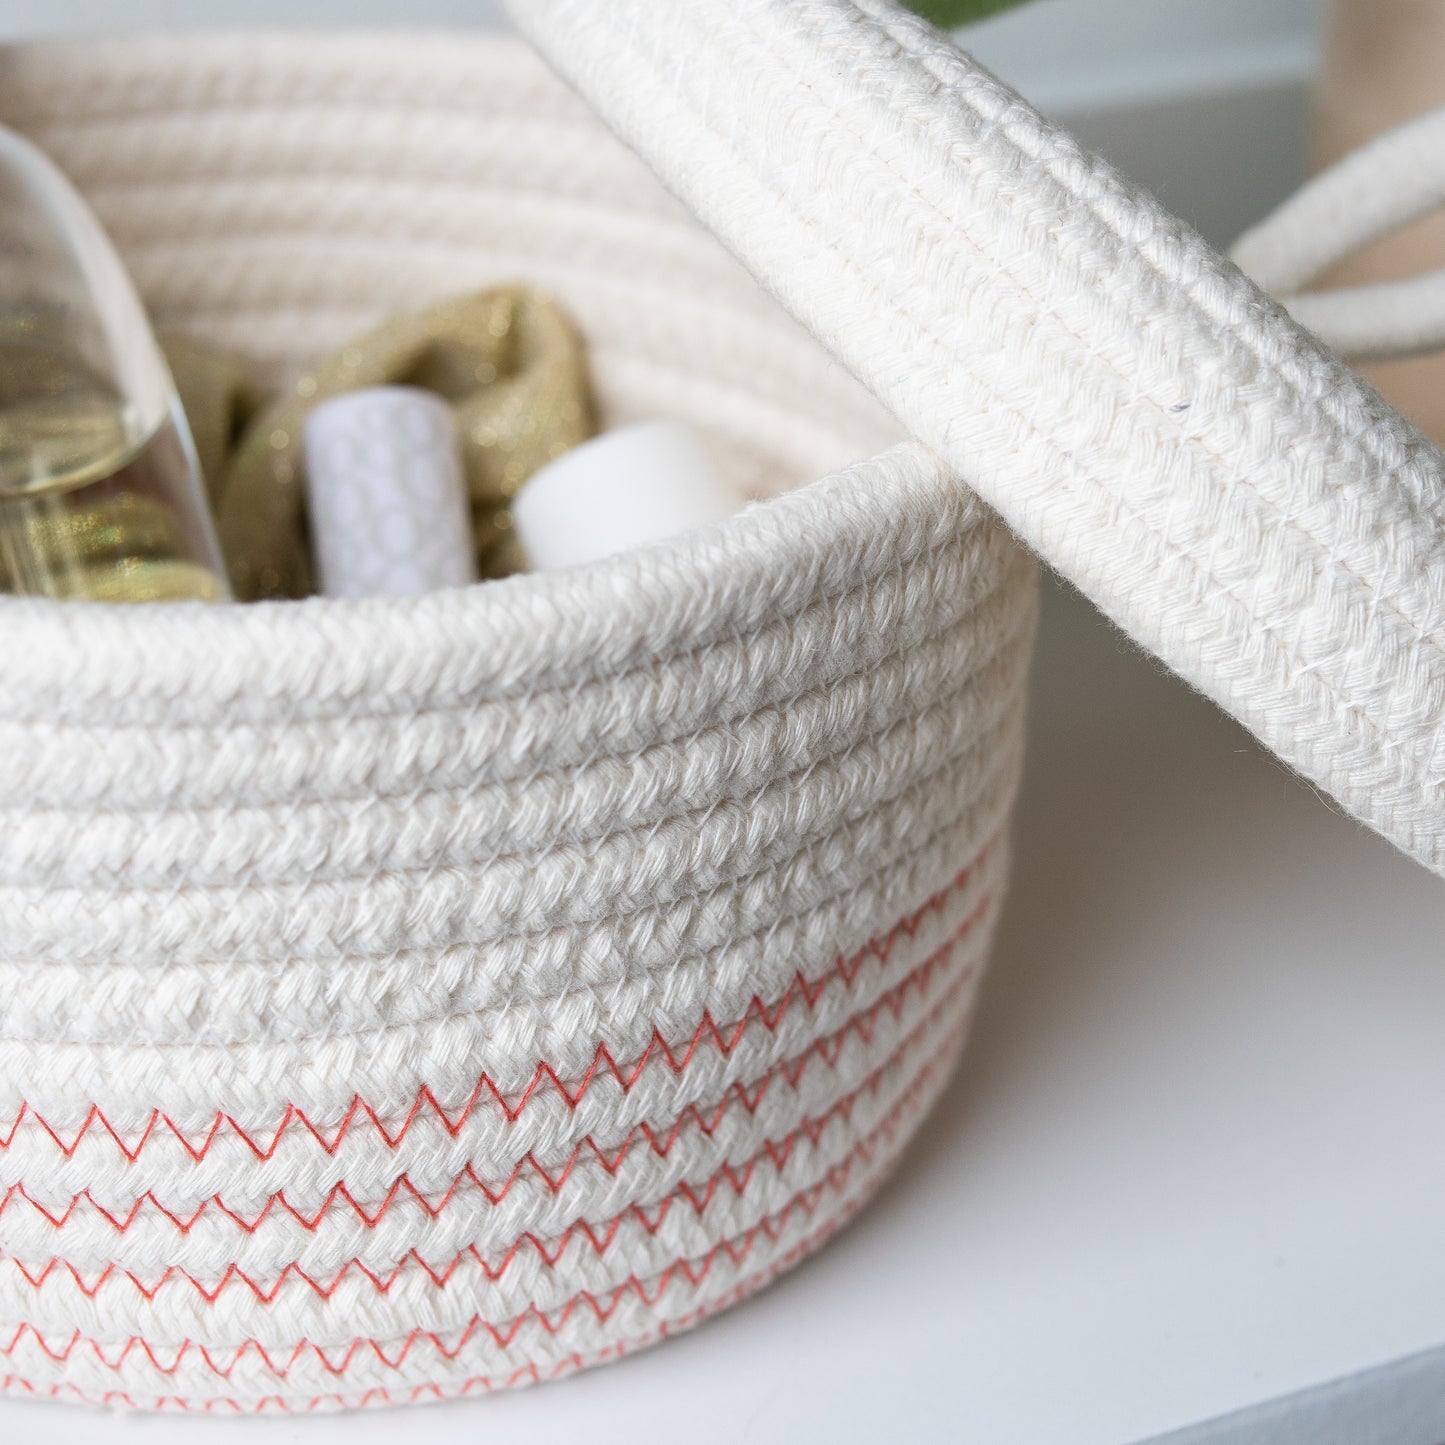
x=220, y=397
x=508, y=360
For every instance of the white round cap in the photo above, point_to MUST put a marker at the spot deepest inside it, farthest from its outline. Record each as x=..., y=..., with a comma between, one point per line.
x=625, y=488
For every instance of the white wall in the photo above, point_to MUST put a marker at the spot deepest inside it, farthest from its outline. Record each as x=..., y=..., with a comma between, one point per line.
x=1068, y=53
x=1077, y=54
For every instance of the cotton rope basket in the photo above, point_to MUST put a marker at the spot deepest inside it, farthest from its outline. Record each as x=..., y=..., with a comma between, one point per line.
x=413, y=998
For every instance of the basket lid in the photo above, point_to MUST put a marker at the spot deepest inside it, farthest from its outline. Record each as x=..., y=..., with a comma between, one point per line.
x=1159, y=430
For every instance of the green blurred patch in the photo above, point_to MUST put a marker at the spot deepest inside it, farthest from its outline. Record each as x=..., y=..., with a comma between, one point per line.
x=958, y=12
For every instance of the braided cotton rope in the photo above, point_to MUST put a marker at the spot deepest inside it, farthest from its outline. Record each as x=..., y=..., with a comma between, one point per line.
x=1224, y=487
x=414, y=997
x=1387, y=183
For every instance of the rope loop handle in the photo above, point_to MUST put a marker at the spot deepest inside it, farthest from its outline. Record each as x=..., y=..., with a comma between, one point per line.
x=1387, y=183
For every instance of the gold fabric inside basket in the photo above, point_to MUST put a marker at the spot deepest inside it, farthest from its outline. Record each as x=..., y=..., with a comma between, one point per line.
x=507, y=359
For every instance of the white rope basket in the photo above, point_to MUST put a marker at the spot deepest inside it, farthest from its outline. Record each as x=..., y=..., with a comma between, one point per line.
x=402, y=999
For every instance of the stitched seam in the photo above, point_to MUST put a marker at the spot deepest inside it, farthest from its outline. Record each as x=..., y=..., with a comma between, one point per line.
x=585, y=1153
x=648, y=1290
x=529, y=1373
x=726, y=1039
x=599, y=1237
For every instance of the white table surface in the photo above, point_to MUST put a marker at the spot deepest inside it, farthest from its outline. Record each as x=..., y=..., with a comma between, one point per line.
x=1192, y=1161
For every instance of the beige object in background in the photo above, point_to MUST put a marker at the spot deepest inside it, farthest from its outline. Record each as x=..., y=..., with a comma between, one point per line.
x=1385, y=62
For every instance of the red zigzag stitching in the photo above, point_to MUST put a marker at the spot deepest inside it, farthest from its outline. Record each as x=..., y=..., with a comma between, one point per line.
x=695, y=1272
x=750, y=1095
x=603, y=1062
x=528, y=1374
x=599, y=1238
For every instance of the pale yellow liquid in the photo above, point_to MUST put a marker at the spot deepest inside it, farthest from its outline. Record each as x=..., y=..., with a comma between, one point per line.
x=87, y=508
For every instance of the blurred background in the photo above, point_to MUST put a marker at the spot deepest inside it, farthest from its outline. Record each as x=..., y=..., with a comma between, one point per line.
x=1219, y=106
x=1176, y=91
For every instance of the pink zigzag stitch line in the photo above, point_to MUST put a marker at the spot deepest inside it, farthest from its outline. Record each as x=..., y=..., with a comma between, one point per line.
x=737, y=1177
x=695, y=1272
x=749, y=1095
x=725, y=1040
x=524, y=1375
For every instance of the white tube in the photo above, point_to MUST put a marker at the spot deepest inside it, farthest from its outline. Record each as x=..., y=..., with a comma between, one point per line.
x=388, y=503
x=625, y=488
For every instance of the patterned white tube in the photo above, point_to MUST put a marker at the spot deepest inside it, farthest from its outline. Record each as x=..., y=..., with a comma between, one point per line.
x=387, y=500
x=628, y=487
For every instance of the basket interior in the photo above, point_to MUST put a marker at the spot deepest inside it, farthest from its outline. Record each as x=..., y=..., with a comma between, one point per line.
x=279, y=195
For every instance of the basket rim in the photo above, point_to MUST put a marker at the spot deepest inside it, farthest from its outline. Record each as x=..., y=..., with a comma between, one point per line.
x=496, y=637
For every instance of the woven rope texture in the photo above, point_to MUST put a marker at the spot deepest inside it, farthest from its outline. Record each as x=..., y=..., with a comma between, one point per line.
x=406, y=998
x=1154, y=425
